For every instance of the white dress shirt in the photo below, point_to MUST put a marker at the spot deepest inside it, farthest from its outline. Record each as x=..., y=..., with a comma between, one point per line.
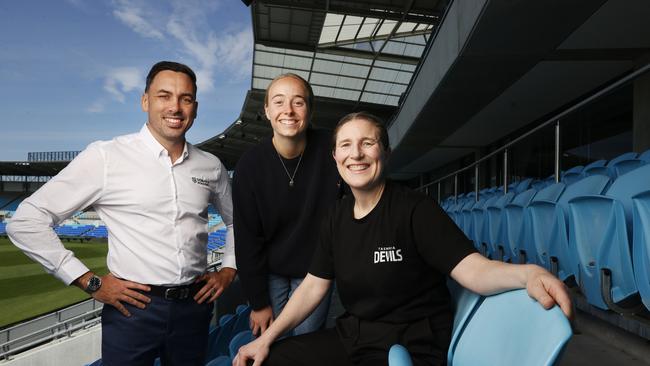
x=156, y=212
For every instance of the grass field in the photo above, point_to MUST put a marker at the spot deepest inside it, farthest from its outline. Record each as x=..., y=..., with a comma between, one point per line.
x=26, y=291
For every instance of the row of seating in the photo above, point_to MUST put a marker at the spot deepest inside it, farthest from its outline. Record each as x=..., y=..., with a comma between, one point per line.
x=594, y=232
x=508, y=329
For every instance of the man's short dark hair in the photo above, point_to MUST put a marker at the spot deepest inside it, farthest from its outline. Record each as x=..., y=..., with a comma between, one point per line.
x=172, y=66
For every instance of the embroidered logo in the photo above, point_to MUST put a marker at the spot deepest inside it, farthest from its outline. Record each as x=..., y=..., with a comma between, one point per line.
x=201, y=181
x=387, y=254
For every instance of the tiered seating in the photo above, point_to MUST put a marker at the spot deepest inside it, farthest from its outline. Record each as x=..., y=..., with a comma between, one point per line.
x=216, y=239
x=98, y=232
x=73, y=230
x=3, y=228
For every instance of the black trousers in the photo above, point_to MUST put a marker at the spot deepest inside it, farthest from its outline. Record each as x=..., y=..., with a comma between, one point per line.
x=358, y=342
x=174, y=330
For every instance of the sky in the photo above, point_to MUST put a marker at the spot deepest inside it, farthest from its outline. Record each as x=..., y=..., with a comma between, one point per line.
x=73, y=71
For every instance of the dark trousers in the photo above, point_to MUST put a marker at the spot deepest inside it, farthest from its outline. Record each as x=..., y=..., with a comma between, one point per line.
x=174, y=330
x=359, y=342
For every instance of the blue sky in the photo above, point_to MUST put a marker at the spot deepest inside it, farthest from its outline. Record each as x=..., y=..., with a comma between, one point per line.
x=72, y=71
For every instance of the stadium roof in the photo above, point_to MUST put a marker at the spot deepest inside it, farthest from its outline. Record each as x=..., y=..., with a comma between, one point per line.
x=357, y=55
x=31, y=169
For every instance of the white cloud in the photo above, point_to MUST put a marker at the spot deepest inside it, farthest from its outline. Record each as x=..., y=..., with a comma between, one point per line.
x=123, y=80
x=97, y=107
x=134, y=17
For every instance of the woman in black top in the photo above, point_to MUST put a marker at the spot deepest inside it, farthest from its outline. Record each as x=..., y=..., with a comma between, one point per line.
x=389, y=249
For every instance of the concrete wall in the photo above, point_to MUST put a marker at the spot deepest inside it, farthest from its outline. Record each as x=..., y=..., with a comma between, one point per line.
x=80, y=349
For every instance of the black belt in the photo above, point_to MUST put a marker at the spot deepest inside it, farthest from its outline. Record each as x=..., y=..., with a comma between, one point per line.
x=175, y=292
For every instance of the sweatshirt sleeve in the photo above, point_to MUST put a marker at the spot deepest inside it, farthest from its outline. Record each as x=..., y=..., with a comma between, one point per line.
x=250, y=251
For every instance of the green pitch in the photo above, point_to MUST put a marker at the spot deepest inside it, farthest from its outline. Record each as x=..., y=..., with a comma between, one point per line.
x=26, y=291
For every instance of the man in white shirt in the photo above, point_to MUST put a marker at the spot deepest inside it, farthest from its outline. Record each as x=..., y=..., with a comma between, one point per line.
x=152, y=190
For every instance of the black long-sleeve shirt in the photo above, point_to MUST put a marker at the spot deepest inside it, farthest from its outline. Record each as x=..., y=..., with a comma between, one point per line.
x=277, y=226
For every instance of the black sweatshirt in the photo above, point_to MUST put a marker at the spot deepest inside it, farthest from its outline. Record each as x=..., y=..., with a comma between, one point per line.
x=276, y=226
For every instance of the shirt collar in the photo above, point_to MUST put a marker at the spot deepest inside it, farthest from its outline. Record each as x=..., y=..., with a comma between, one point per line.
x=156, y=148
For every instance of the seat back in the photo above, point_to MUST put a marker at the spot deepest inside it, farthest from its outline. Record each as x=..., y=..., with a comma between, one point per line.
x=398, y=355
x=239, y=340
x=513, y=222
x=645, y=156
x=512, y=329
x=625, y=166
x=596, y=167
x=242, y=322
x=625, y=156
x=464, y=303
x=641, y=246
x=628, y=185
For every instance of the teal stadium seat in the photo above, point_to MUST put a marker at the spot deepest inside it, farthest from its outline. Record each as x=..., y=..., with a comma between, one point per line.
x=641, y=245
x=600, y=230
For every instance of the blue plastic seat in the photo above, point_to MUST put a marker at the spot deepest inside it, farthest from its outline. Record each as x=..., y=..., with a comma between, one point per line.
x=464, y=303
x=572, y=175
x=538, y=218
x=624, y=156
x=523, y=185
x=512, y=223
x=645, y=156
x=641, y=245
x=399, y=356
x=239, y=340
x=511, y=329
x=243, y=319
x=493, y=223
x=477, y=225
x=624, y=166
x=222, y=338
x=220, y=361
x=545, y=226
x=596, y=167
x=600, y=230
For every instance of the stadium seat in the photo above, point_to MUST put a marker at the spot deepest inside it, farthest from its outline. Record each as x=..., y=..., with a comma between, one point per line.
x=464, y=303
x=641, y=245
x=476, y=227
x=623, y=166
x=545, y=227
x=645, y=156
x=243, y=319
x=624, y=156
x=480, y=232
x=219, y=339
x=522, y=185
x=399, y=356
x=539, y=217
x=493, y=223
x=508, y=250
x=572, y=175
x=220, y=361
x=596, y=167
x=239, y=340
x=600, y=230
x=511, y=329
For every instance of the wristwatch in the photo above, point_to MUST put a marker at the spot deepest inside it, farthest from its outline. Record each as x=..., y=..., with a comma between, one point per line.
x=94, y=283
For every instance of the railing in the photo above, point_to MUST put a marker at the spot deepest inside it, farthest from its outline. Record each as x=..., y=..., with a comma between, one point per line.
x=59, y=324
x=62, y=323
x=555, y=119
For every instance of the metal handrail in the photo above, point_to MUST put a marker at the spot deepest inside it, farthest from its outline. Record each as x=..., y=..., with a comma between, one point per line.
x=555, y=119
x=65, y=328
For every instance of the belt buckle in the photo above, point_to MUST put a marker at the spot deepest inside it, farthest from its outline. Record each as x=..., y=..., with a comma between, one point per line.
x=176, y=293
x=170, y=293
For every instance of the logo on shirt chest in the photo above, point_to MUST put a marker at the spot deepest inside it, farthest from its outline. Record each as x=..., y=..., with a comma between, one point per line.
x=387, y=254
x=201, y=181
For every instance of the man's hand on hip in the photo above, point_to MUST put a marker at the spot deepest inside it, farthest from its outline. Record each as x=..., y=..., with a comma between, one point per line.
x=215, y=284
x=114, y=291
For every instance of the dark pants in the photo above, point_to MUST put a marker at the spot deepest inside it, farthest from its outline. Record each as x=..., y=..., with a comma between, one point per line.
x=358, y=342
x=174, y=330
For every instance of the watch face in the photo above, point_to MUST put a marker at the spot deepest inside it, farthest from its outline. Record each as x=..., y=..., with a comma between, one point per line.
x=94, y=284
